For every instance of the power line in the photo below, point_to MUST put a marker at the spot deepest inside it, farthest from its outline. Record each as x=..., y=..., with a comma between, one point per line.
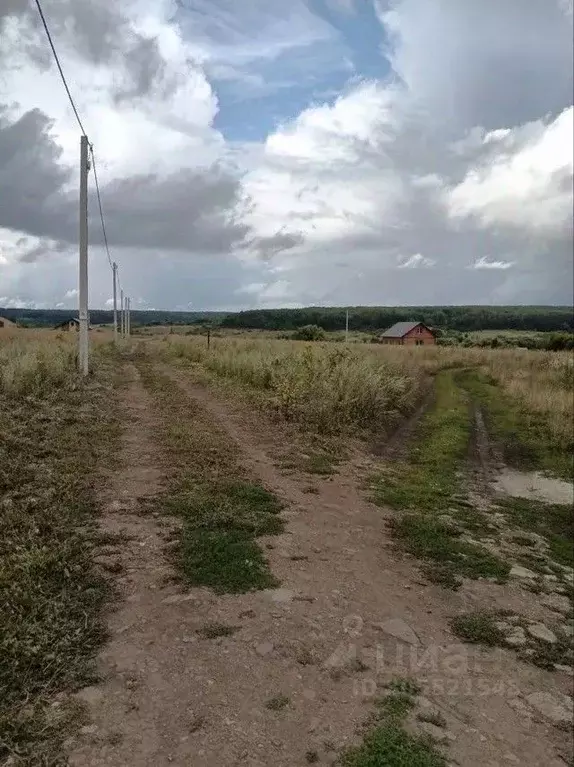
x=59, y=66
x=100, y=206
x=81, y=127
x=83, y=185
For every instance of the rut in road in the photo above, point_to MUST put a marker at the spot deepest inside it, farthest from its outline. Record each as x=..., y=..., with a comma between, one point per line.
x=349, y=614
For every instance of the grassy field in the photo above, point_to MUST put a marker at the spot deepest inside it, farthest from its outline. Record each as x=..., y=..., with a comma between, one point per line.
x=57, y=428
x=524, y=396
x=334, y=387
x=53, y=428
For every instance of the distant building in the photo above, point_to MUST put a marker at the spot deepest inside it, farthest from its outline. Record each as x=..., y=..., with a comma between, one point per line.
x=6, y=323
x=408, y=334
x=71, y=324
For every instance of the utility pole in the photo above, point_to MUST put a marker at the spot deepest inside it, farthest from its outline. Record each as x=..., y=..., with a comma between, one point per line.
x=122, y=315
x=347, y=326
x=115, y=273
x=83, y=351
x=128, y=318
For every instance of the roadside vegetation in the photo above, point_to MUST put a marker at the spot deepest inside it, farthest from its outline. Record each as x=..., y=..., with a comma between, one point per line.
x=31, y=366
x=54, y=430
x=222, y=510
x=524, y=437
x=438, y=522
x=387, y=741
x=333, y=389
x=536, y=643
x=426, y=487
x=328, y=389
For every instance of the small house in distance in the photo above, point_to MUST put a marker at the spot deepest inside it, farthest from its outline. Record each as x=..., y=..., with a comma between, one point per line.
x=6, y=323
x=71, y=324
x=408, y=334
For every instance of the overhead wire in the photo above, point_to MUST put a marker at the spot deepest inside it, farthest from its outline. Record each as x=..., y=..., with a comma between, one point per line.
x=100, y=207
x=61, y=71
x=77, y=115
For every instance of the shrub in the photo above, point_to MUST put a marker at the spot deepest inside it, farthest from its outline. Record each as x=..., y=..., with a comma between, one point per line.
x=309, y=333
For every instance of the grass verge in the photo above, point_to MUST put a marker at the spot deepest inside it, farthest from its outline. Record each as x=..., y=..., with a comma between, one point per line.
x=387, y=742
x=524, y=437
x=427, y=485
x=501, y=629
x=223, y=511
x=554, y=522
x=50, y=624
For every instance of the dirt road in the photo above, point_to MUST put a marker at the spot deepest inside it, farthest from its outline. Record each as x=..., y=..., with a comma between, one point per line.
x=287, y=676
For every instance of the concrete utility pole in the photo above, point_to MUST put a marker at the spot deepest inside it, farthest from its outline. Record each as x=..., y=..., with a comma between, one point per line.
x=83, y=352
x=128, y=318
x=346, y=326
x=115, y=273
x=122, y=315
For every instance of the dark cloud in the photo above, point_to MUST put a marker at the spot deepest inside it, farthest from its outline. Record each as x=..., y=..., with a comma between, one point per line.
x=187, y=210
x=33, y=179
x=100, y=33
x=145, y=72
x=268, y=247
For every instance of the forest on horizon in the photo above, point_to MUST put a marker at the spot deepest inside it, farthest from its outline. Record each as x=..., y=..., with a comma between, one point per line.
x=361, y=318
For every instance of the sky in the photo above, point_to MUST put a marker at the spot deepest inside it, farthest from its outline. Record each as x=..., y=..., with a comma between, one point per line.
x=266, y=153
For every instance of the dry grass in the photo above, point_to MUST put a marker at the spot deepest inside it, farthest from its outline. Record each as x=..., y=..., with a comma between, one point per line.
x=333, y=387
x=541, y=381
x=30, y=366
x=36, y=361
x=328, y=387
x=50, y=623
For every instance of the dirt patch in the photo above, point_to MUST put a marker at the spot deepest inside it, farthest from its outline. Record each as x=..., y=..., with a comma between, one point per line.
x=138, y=624
x=327, y=640
x=535, y=486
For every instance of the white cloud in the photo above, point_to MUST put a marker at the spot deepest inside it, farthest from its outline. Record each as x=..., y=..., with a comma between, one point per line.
x=252, y=289
x=463, y=154
x=71, y=293
x=525, y=181
x=485, y=263
x=416, y=261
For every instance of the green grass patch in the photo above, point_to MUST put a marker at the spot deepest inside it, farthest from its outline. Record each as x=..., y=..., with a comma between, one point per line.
x=478, y=628
x=227, y=561
x=389, y=745
x=396, y=705
x=427, y=481
x=430, y=540
x=320, y=463
x=427, y=484
x=481, y=628
x=552, y=521
x=52, y=596
x=223, y=510
x=524, y=437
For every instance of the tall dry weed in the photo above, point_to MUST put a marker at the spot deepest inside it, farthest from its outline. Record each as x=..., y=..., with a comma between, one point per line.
x=30, y=366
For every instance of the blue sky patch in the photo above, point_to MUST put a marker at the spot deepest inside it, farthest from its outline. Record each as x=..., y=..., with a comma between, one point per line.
x=303, y=53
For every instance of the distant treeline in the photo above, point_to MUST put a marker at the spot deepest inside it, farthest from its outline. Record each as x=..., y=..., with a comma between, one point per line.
x=368, y=319
x=361, y=318
x=51, y=317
